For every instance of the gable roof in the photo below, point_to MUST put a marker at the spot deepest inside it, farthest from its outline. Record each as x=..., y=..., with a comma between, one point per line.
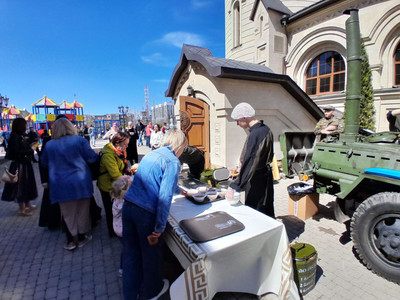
x=275, y=5
x=315, y=7
x=77, y=104
x=44, y=101
x=65, y=105
x=233, y=69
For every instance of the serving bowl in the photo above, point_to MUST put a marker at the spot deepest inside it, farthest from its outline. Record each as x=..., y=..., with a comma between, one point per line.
x=202, y=189
x=191, y=192
x=199, y=197
x=212, y=195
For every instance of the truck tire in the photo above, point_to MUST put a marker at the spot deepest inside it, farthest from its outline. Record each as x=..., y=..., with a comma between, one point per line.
x=375, y=230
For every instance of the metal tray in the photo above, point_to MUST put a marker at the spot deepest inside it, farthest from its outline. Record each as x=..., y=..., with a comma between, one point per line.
x=205, y=201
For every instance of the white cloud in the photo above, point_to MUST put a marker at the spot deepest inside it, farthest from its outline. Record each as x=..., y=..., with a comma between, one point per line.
x=178, y=38
x=157, y=59
x=200, y=3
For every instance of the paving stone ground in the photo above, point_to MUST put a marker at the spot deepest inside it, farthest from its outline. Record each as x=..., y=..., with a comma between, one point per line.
x=34, y=265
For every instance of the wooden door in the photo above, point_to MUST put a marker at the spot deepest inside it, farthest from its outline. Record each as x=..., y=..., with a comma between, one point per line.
x=195, y=122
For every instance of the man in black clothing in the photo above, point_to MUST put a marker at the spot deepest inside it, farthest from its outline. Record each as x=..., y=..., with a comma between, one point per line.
x=139, y=130
x=194, y=158
x=255, y=176
x=393, y=117
x=86, y=134
x=33, y=138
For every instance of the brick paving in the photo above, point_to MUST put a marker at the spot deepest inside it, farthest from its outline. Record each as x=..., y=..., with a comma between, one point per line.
x=34, y=265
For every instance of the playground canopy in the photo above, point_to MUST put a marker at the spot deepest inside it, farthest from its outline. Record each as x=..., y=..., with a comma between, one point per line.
x=12, y=111
x=73, y=111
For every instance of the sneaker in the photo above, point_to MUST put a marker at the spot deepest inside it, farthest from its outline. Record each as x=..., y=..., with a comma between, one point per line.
x=70, y=246
x=87, y=239
x=163, y=290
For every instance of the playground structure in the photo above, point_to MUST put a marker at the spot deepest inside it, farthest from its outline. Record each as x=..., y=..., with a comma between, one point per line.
x=45, y=112
x=7, y=115
x=102, y=126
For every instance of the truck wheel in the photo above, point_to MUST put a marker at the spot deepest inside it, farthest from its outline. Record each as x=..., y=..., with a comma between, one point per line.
x=375, y=230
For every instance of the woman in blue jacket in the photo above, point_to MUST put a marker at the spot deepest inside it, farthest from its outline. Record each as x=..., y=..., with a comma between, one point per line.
x=70, y=182
x=144, y=217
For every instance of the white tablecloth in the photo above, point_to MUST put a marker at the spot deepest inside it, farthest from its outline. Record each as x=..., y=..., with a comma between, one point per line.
x=256, y=260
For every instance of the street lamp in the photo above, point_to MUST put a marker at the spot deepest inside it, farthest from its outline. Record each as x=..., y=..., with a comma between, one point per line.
x=3, y=100
x=123, y=111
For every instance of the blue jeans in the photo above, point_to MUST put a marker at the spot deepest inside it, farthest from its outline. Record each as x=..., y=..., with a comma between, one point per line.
x=141, y=262
x=148, y=141
x=93, y=140
x=140, y=142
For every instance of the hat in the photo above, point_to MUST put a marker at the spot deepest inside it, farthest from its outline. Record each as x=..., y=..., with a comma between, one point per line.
x=114, y=124
x=329, y=107
x=243, y=110
x=129, y=123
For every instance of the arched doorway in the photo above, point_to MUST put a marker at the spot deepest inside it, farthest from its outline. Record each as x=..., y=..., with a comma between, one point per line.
x=195, y=122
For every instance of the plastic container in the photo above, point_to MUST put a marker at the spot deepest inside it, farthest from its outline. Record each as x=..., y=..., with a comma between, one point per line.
x=305, y=266
x=300, y=189
x=235, y=200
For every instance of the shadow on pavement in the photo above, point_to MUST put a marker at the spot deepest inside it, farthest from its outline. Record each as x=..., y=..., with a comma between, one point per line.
x=325, y=212
x=294, y=226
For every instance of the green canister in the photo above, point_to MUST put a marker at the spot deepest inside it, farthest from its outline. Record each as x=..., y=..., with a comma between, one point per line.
x=305, y=266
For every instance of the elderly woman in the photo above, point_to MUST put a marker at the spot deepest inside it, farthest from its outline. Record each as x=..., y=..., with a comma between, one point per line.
x=67, y=156
x=144, y=217
x=20, y=152
x=113, y=164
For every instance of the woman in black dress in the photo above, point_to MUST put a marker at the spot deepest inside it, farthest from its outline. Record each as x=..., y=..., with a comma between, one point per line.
x=131, y=151
x=20, y=153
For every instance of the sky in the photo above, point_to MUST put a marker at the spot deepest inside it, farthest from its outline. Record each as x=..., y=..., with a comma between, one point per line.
x=100, y=52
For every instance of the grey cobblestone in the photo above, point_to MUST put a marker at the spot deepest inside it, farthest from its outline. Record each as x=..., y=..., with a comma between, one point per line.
x=51, y=292
x=63, y=283
x=39, y=295
x=76, y=295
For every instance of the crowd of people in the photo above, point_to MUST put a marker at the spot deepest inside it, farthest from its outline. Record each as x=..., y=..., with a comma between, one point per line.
x=68, y=201
x=136, y=199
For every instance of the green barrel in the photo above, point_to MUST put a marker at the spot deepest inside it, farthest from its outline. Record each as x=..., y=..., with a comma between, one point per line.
x=305, y=266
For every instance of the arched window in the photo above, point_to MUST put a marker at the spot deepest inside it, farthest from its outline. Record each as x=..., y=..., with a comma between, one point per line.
x=236, y=24
x=261, y=25
x=397, y=66
x=326, y=74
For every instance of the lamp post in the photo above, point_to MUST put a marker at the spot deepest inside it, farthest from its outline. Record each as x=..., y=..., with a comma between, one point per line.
x=123, y=111
x=190, y=90
x=3, y=100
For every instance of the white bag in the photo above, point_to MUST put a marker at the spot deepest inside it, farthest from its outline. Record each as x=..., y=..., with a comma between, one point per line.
x=8, y=177
x=117, y=215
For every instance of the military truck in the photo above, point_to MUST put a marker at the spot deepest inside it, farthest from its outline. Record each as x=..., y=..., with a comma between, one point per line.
x=361, y=169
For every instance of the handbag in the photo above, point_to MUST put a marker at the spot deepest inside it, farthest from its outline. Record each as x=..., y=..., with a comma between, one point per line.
x=8, y=177
x=95, y=167
x=117, y=215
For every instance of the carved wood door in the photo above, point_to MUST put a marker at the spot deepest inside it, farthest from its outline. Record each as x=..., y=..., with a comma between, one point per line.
x=195, y=122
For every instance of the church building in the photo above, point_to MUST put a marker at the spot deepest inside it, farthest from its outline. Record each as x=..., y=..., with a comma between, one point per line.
x=307, y=41
x=287, y=59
